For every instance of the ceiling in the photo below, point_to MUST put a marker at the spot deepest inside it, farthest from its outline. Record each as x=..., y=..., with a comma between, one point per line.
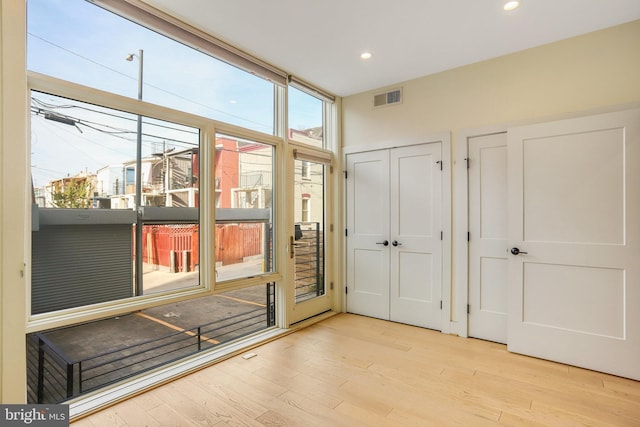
x=321, y=40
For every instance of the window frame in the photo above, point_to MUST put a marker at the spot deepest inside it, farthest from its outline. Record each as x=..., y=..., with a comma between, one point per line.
x=306, y=170
x=276, y=144
x=168, y=25
x=209, y=128
x=305, y=209
x=298, y=311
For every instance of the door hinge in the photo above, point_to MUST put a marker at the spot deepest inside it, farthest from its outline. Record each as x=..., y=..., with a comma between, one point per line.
x=331, y=285
x=330, y=169
x=440, y=304
x=331, y=228
x=468, y=236
x=346, y=290
x=440, y=161
x=346, y=232
x=346, y=174
x=466, y=159
x=441, y=235
x=468, y=308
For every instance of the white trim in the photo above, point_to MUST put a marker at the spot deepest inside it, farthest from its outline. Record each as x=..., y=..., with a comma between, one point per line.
x=336, y=271
x=402, y=142
x=459, y=318
x=447, y=231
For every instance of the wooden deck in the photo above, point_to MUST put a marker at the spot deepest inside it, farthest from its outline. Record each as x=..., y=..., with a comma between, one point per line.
x=356, y=371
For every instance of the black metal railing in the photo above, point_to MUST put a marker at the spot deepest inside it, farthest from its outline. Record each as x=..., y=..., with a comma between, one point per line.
x=53, y=377
x=49, y=371
x=309, y=261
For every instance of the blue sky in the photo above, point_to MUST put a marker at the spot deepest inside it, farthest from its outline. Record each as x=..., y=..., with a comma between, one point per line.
x=77, y=41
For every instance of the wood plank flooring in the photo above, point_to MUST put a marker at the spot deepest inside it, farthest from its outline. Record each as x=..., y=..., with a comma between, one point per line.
x=351, y=370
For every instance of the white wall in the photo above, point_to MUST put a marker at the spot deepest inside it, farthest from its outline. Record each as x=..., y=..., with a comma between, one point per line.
x=589, y=73
x=582, y=73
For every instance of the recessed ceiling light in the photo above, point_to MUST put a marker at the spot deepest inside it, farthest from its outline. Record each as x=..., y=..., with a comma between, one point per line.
x=511, y=5
x=366, y=55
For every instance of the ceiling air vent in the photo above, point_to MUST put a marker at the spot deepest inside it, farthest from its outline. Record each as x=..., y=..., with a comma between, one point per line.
x=387, y=98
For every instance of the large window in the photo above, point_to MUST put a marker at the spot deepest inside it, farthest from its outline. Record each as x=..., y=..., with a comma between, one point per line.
x=306, y=118
x=155, y=177
x=76, y=41
x=140, y=227
x=127, y=223
x=124, y=240
x=138, y=179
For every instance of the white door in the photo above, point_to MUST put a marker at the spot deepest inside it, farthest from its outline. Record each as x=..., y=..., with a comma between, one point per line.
x=394, y=246
x=368, y=234
x=415, y=235
x=488, y=237
x=574, y=215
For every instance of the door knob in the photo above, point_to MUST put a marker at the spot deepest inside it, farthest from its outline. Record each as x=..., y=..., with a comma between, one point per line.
x=516, y=251
x=396, y=243
x=385, y=243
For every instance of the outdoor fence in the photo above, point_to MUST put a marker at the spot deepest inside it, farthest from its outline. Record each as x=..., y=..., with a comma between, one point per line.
x=176, y=247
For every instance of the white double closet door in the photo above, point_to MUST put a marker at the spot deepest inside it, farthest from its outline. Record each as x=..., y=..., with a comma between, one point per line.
x=394, y=232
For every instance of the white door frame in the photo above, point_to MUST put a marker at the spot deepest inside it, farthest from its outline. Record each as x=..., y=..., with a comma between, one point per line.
x=445, y=139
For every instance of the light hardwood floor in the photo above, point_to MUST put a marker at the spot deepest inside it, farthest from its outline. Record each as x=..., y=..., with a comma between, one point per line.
x=356, y=371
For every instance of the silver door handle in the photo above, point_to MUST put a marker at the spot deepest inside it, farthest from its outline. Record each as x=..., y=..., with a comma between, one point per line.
x=385, y=243
x=396, y=243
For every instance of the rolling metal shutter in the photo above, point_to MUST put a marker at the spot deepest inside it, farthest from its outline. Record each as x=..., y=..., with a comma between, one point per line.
x=76, y=265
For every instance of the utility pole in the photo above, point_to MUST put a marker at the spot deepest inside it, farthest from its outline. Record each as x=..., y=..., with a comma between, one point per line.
x=138, y=196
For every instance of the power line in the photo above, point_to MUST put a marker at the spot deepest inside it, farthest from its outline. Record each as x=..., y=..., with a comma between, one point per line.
x=79, y=56
x=53, y=107
x=116, y=132
x=148, y=84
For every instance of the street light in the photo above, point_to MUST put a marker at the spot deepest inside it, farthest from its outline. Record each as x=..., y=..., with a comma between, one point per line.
x=138, y=196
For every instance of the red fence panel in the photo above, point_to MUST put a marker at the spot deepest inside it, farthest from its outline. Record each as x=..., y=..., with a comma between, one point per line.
x=234, y=242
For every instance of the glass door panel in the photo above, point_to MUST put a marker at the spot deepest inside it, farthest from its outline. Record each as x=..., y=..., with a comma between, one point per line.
x=309, y=218
x=308, y=230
